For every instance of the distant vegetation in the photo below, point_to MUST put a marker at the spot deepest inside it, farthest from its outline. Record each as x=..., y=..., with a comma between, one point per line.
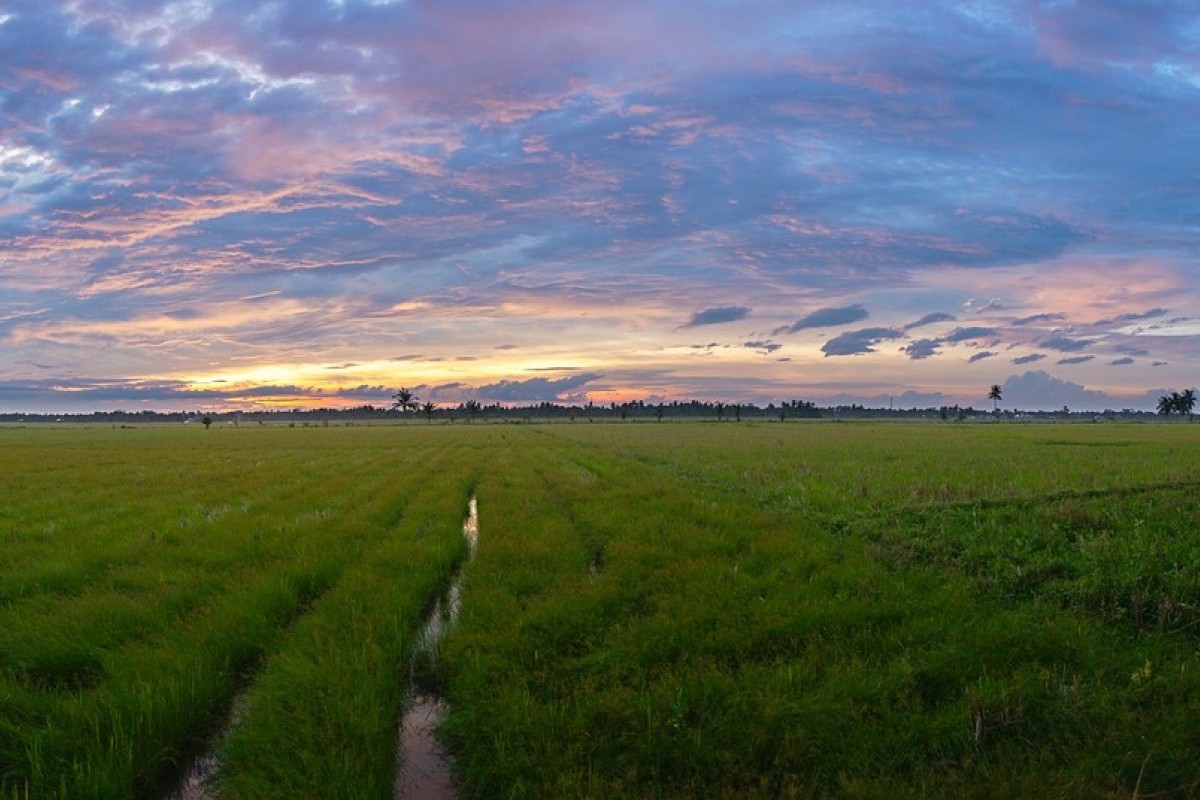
x=409, y=407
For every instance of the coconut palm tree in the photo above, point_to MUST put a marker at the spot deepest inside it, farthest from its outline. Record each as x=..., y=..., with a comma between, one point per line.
x=995, y=395
x=427, y=409
x=404, y=400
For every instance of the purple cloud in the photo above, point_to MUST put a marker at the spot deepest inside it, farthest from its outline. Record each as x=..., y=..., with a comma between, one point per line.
x=1038, y=319
x=929, y=319
x=980, y=356
x=1040, y=390
x=967, y=334
x=826, y=318
x=1029, y=359
x=922, y=348
x=1065, y=344
x=1133, y=316
x=536, y=390
x=858, y=342
x=1075, y=360
x=717, y=316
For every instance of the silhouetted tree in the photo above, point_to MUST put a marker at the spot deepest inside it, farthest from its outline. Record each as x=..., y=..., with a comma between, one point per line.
x=1187, y=402
x=428, y=409
x=995, y=395
x=404, y=400
x=472, y=409
x=206, y=420
x=1183, y=402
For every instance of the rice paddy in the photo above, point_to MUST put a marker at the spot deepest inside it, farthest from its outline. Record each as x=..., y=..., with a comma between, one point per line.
x=661, y=610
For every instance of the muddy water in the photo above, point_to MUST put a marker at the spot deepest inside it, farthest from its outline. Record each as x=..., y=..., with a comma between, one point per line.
x=424, y=766
x=196, y=783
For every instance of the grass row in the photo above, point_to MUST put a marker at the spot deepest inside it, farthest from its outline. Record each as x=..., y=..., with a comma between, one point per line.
x=321, y=718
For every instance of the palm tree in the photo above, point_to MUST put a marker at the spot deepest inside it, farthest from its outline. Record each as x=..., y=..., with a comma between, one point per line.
x=994, y=394
x=427, y=409
x=472, y=408
x=404, y=400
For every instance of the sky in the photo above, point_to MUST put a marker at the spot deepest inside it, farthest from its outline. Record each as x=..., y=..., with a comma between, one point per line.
x=214, y=204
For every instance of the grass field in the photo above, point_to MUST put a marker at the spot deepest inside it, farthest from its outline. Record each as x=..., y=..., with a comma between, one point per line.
x=654, y=610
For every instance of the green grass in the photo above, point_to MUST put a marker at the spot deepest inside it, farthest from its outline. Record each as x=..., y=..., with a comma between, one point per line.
x=655, y=610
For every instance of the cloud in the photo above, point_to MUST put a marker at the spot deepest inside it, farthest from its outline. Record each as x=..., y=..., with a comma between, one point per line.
x=929, y=319
x=1133, y=316
x=1075, y=360
x=1038, y=319
x=826, y=318
x=716, y=316
x=1040, y=391
x=922, y=348
x=763, y=347
x=537, y=390
x=1120, y=362
x=980, y=356
x=966, y=334
x=1029, y=359
x=1131, y=350
x=858, y=342
x=1065, y=344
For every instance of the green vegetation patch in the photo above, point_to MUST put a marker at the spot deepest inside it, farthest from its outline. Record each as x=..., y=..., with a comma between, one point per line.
x=799, y=609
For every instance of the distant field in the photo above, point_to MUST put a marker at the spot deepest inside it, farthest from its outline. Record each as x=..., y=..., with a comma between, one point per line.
x=654, y=610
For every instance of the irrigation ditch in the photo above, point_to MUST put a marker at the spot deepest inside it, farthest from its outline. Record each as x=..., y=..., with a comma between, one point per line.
x=423, y=768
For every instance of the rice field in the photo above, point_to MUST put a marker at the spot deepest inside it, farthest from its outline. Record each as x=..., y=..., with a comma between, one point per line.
x=660, y=610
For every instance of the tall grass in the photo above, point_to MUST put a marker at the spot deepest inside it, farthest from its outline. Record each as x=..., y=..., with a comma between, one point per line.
x=661, y=611
x=732, y=645
x=111, y=675
x=321, y=719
